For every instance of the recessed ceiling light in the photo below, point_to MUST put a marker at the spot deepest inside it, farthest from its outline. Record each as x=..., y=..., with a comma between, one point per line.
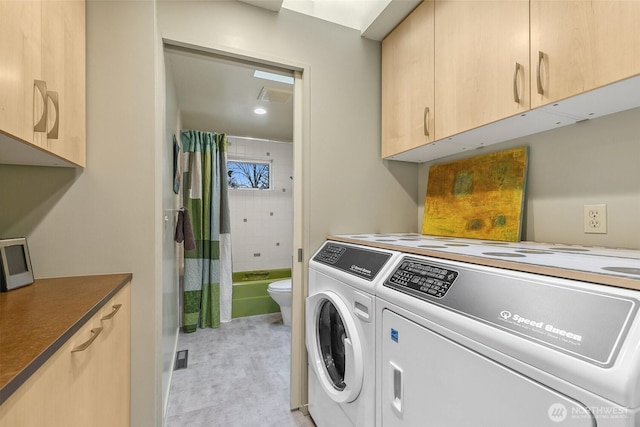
x=260, y=111
x=273, y=77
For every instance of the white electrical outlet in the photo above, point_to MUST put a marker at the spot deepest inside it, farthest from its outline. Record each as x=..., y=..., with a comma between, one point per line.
x=595, y=219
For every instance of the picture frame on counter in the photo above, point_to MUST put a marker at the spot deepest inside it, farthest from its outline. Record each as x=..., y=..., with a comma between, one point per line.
x=15, y=264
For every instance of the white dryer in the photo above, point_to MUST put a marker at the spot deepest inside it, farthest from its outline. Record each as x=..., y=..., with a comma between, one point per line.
x=466, y=345
x=340, y=333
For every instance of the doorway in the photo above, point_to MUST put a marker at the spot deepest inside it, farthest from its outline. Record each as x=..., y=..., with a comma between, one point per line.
x=194, y=116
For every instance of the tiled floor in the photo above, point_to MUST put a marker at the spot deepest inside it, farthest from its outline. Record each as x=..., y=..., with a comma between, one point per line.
x=237, y=376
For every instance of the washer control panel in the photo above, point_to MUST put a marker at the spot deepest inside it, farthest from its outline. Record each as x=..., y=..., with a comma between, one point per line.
x=420, y=278
x=330, y=254
x=358, y=261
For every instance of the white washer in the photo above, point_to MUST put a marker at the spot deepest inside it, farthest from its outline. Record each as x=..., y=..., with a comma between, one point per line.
x=466, y=345
x=340, y=333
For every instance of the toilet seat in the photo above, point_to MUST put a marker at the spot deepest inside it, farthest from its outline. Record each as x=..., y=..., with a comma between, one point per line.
x=281, y=286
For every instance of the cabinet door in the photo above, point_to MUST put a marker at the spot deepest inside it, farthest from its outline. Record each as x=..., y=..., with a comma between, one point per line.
x=63, y=64
x=114, y=396
x=61, y=393
x=20, y=65
x=408, y=83
x=584, y=45
x=478, y=44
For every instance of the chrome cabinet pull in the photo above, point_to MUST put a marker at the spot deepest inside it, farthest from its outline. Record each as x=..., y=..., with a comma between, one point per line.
x=424, y=121
x=53, y=133
x=47, y=95
x=516, y=94
x=113, y=312
x=85, y=345
x=538, y=77
x=41, y=126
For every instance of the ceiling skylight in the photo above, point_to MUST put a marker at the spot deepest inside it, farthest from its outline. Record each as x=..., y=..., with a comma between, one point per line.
x=273, y=77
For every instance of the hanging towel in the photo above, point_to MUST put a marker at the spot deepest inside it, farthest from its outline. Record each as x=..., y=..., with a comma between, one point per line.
x=176, y=166
x=184, y=232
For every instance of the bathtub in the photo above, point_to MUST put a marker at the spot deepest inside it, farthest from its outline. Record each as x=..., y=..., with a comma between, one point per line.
x=250, y=296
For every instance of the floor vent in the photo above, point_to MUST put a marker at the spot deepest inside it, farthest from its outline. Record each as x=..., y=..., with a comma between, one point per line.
x=181, y=359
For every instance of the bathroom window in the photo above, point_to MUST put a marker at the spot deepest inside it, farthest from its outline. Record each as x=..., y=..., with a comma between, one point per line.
x=249, y=174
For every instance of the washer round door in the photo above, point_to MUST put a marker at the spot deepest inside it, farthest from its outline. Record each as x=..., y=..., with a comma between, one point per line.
x=334, y=346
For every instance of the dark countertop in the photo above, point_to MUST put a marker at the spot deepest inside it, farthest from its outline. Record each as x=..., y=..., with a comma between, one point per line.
x=36, y=320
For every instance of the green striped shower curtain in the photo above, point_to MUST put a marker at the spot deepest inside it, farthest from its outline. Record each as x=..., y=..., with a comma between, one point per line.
x=207, y=268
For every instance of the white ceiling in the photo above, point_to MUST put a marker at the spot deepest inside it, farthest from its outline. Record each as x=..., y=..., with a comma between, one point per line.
x=218, y=95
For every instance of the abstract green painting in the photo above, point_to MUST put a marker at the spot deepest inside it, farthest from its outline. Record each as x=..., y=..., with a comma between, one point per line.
x=480, y=197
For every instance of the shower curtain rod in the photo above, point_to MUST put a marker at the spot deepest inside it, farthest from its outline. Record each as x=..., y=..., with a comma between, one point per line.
x=260, y=139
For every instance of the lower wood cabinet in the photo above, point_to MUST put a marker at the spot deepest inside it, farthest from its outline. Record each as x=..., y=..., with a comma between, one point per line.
x=86, y=382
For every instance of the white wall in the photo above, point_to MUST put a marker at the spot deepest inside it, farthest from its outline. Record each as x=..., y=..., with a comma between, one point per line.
x=262, y=220
x=586, y=163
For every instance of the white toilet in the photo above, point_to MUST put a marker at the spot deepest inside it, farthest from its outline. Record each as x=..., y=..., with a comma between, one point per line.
x=280, y=291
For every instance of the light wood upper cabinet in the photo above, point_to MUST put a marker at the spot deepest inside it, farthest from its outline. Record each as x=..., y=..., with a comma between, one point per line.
x=584, y=45
x=20, y=65
x=481, y=95
x=408, y=83
x=478, y=44
x=42, y=41
x=63, y=64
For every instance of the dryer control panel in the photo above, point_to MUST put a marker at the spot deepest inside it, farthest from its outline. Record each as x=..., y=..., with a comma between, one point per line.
x=586, y=322
x=420, y=278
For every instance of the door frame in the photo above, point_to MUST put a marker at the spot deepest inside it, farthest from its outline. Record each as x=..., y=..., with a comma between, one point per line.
x=301, y=203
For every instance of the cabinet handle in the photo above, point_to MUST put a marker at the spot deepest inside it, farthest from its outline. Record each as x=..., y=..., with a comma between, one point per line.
x=538, y=77
x=516, y=94
x=85, y=345
x=424, y=121
x=113, y=312
x=53, y=133
x=41, y=126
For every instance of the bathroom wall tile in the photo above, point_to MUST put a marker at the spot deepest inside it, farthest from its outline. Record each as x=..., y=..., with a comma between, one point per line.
x=262, y=229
